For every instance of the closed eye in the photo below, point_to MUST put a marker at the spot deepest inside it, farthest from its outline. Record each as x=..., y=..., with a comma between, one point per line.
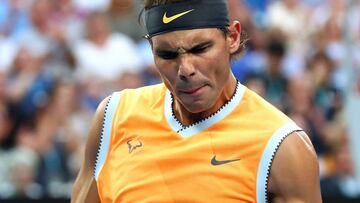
x=167, y=55
x=198, y=49
x=202, y=48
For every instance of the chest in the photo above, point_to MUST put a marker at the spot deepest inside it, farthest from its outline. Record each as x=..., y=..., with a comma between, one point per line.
x=163, y=167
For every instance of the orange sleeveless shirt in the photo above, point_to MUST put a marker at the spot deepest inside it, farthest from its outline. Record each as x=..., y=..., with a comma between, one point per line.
x=145, y=155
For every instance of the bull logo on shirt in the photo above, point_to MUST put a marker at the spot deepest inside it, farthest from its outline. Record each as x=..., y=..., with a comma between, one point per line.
x=134, y=144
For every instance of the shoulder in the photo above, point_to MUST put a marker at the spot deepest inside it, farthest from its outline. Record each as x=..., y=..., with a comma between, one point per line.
x=149, y=89
x=95, y=134
x=96, y=128
x=294, y=174
x=85, y=189
x=258, y=107
x=144, y=93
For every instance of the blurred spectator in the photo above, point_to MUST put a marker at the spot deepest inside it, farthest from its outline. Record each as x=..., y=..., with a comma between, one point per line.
x=23, y=173
x=29, y=86
x=258, y=5
x=274, y=80
x=50, y=38
x=337, y=11
x=300, y=106
x=326, y=96
x=239, y=11
x=334, y=21
x=58, y=141
x=19, y=175
x=150, y=73
x=124, y=18
x=253, y=61
x=3, y=87
x=14, y=20
x=258, y=8
x=8, y=49
x=5, y=127
x=256, y=84
x=92, y=6
x=104, y=57
x=354, y=21
x=55, y=138
x=334, y=36
x=341, y=181
x=14, y=17
x=37, y=38
x=67, y=23
x=290, y=18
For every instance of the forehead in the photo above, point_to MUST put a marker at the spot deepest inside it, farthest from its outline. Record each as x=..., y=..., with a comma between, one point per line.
x=186, y=38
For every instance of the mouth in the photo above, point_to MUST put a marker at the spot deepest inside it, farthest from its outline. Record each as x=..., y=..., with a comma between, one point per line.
x=193, y=91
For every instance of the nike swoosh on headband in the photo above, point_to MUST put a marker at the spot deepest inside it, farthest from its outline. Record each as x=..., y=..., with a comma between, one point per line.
x=167, y=20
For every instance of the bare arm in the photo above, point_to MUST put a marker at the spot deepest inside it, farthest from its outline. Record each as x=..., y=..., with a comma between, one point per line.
x=294, y=174
x=85, y=189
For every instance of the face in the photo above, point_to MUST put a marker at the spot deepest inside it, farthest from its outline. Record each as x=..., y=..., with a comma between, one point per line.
x=98, y=26
x=195, y=64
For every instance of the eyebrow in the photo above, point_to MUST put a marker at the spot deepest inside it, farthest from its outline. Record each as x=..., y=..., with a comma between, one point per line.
x=201, y=45
x=197, y=46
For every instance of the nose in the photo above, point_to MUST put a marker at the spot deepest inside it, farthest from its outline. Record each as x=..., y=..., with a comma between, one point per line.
x=186, y=67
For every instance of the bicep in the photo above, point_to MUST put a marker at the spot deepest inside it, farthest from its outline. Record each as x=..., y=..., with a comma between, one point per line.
x=294, y=174
x=85, y=188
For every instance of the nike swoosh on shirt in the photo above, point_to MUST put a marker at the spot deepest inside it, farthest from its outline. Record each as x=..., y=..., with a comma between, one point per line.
x=215, y=162
x=167, y=20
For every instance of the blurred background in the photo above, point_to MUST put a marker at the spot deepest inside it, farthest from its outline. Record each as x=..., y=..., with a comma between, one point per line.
x=60, y=58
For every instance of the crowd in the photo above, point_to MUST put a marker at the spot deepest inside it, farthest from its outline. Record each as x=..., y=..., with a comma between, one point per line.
x=60, y=58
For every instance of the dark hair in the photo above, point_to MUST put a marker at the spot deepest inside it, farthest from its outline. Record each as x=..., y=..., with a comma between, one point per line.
x=243, y=35
x=321, y=56
x=276, y=48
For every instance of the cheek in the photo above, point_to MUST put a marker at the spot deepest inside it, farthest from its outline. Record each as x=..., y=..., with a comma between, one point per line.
x=220, y=63
x=222, y=73
x=166, y=70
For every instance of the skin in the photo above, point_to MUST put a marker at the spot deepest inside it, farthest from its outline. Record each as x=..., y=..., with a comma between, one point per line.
x=294, y=174
x=198, y=80
x=195, y=67
x=85, y=189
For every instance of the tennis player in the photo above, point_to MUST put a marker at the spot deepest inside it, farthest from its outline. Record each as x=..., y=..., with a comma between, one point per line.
x=200, y=136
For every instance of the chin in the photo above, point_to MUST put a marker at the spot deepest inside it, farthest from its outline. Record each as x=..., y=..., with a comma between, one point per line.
x=197, y=107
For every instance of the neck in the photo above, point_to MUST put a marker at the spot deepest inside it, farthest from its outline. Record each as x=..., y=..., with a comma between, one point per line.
x=188, y=118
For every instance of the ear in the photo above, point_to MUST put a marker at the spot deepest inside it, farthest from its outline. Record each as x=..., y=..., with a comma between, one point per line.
x=234, y=36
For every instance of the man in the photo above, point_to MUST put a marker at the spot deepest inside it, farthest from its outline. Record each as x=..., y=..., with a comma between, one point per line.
x=200, y=136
